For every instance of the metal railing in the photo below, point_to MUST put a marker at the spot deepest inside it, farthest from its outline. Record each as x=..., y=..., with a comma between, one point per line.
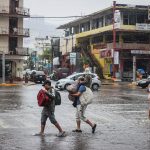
x=20, y=32
x=4, y=30
x=129, y=46
x=22, y=51
x=22, y=11
x=13, y=10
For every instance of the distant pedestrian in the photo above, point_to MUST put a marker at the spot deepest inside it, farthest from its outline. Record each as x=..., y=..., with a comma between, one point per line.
x=48, y=111
x=88, y=78
x=80, y=109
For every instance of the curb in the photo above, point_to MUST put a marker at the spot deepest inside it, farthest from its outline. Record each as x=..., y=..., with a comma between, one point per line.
x=107, y=83
x=15, y=84
x=7, y=84
x=28, y=84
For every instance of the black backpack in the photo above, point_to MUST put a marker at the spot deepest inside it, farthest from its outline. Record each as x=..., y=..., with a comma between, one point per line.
x=57, y=98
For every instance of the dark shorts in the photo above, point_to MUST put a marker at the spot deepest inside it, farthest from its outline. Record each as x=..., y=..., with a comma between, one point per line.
x=47, y=114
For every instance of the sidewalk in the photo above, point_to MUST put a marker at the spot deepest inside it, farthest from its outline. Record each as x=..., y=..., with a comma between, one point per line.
x=104, y=82
x=115, y=82
x=16, y=83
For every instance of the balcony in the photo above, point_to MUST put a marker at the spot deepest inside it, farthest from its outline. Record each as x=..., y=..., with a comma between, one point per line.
x=19, y=11
x=130, y=46
x=22, y=51
x=4, y=10
x=16, y=51
x=4, y=31
x=22, y=11
x=19, y=32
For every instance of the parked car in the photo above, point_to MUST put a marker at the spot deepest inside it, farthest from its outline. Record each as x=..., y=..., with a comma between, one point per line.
x=63, y=83
x=59, y=73
x=39, y=76
x=144, y=82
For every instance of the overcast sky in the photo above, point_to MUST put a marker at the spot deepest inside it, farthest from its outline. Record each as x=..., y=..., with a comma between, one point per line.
x=60, y=8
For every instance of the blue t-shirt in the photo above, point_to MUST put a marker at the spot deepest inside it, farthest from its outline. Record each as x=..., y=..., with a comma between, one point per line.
x=81, y=89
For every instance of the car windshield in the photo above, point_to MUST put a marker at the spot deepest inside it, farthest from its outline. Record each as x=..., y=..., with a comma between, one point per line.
x=74, y=76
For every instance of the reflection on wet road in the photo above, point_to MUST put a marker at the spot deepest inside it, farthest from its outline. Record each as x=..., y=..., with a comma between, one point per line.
x=120, y=112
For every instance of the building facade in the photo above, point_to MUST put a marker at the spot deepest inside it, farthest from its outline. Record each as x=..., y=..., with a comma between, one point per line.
x=114, y=36
x=12, y=33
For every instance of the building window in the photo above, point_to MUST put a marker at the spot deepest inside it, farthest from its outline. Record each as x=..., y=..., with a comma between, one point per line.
x=136, y=38
x=141, y=17
x=98, y=39
x=125, y=19
x=101, y=22
x=144, y=38
x=132, y=19
x=95, y=24
x=76, y=29
x=108, y=19
x=109, y=38
x=128, y=38
x=85, y=27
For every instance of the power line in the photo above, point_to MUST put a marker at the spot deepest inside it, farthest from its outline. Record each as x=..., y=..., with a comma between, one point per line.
x=56, y=17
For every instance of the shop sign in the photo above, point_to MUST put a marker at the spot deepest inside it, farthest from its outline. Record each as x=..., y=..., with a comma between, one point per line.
x=106, y=53
x=72, y=55
x=117, y=19
x=73, y=61
x=100, y=46
x=140, y=52
x=142, y=26
x=116, y=57
x=73, y=58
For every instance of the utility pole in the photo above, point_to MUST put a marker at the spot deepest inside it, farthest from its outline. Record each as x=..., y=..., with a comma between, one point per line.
x=3, y=66
x=114, y=36
x=72, y=32
x=52, y=55
x=3, y=58
x=134, y=68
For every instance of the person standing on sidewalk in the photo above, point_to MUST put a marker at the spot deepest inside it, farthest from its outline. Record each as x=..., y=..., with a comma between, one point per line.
x=48, y=112
x=80, y=110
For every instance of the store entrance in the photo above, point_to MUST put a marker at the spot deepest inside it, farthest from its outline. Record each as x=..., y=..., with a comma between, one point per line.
x=8, y=68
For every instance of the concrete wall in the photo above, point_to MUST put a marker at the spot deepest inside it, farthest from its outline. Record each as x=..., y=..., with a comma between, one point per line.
x=4, y=22
x=66, y=44
x=4, y=44
x=4, y=2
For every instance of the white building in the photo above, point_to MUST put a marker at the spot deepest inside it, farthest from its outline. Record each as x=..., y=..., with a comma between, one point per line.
x=11, y=36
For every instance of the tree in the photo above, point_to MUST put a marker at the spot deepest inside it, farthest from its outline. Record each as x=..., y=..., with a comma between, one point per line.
x=46, y=55
x=30, y=63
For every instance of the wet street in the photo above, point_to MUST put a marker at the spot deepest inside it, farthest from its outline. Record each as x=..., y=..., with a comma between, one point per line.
x=120, y=111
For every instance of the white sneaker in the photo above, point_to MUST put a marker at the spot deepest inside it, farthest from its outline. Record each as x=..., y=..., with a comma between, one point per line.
x=39, y=134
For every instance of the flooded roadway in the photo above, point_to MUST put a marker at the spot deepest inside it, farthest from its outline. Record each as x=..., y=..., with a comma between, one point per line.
x=120, y=112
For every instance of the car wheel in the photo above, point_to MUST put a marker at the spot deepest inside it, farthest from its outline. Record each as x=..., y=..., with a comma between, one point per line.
x=66, y=86
x=95, y=87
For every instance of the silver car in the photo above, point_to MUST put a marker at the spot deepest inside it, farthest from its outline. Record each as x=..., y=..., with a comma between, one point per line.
x=63, y=83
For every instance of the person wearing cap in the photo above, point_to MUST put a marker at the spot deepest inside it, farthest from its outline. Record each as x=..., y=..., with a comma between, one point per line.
x=48, y=111
x=80, y=110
